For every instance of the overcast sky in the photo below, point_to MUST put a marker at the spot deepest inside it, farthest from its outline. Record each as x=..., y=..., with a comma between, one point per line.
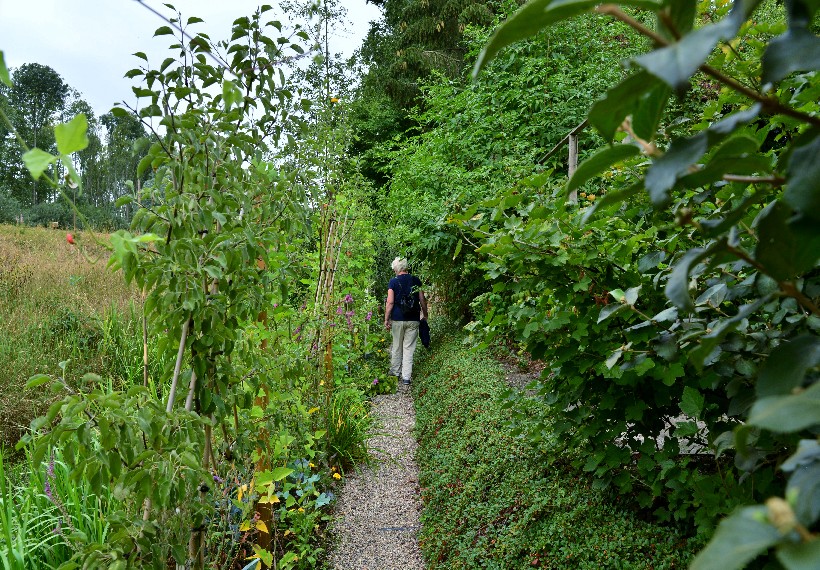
x=90, y=42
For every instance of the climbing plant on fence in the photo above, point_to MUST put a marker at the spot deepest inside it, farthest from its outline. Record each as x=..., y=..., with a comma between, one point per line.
x=698, y=300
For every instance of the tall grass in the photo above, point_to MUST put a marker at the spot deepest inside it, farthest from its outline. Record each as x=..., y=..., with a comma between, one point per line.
x=44, y=515
x=59, y=303
x=350, y=424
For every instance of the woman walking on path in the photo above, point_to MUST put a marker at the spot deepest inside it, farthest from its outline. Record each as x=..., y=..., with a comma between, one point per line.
x=405, y=307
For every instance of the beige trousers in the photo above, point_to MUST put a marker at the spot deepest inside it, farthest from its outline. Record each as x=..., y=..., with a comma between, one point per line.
x=405, y=334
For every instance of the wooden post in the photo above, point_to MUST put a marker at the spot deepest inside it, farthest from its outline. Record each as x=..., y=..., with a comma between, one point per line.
x=573, y=163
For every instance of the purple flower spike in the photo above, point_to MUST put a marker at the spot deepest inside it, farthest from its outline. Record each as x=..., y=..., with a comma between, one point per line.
x=369, y=315
x=375, y=381
x=348, y=298
x=47, y=490
x=339, y=311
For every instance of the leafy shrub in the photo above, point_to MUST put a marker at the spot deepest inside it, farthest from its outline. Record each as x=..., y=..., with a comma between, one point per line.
x=10, y=209
x=734, y=343
x=44, y=213
x=491, y=501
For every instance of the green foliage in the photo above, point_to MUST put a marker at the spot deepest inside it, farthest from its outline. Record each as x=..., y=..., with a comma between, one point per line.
x=737, y=261
x=478, y=139
x=490, y=500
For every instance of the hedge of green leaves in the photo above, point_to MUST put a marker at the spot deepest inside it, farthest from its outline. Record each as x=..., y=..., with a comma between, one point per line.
x=692, y=309
x=490, y=501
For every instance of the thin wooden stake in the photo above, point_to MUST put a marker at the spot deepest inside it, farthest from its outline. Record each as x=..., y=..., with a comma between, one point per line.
x=172, y=395
x=573, y=164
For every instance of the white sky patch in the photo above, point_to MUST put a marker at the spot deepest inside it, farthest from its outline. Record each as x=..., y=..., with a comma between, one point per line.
x=90, y=42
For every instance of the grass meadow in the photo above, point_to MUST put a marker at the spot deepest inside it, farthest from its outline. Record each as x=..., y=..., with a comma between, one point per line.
x=58, y=302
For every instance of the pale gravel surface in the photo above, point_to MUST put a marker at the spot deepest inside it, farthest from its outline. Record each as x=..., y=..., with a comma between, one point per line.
x=378, y=507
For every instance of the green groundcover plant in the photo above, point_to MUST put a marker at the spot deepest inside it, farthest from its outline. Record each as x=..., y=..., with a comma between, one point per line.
x=489, y=499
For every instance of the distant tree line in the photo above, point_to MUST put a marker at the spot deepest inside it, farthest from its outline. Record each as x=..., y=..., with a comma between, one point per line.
x=38, y=100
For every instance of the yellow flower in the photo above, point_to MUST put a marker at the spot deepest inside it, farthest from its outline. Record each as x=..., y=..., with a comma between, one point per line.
x=337, y=476
x=301, y=509
x=312, y=466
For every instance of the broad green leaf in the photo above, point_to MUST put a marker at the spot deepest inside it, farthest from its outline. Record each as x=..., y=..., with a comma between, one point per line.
x=613, y=358
x=609, y=113
x=144, y=163
x=141, y=55
x=739, y=539
x=618, y=295
x=72, y=136
x=803, y=190
x=646, y=116
x=738, y=155
x=677, y=287
x=692, y=402
x=787, y=365
x=667, y=315
x=611, y=197
x=802, y=556
x=4, y=71
x=599, y=162
x=651, y=261
x=713, y=296
x=803, y=490
x=718, y=226
x=609, y=310
x=535, y=16
x=280, y=473
x=796, y=50
x=123, y=200
x=37, y=161
x=120, y=112
x=682, y=15
x=808, y=452
x=786, y=414
x=230, y=94
x=163, y=31
x=683, y=153
x=783, y=252
x=676, y=63
x=715, y=169
x=631, y=295
x=37, y=380
x=665, y=171
x=709, y=341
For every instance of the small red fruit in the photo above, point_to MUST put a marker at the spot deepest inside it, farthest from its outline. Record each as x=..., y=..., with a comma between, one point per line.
x=69, y=238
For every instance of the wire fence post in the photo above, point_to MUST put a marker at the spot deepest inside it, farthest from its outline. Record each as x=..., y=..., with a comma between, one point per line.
x=573, y=163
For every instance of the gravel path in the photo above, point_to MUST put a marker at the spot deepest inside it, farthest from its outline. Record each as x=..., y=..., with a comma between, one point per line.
x=378, y=507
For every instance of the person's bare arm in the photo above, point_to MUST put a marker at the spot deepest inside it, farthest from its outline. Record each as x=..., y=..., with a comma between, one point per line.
x=388, y=307
x=423, y=301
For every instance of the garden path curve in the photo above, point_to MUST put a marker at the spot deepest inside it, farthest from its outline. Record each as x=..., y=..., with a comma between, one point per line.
x=378, y=508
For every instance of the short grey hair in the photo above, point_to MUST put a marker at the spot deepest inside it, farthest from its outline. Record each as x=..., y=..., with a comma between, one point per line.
x=399, y=264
